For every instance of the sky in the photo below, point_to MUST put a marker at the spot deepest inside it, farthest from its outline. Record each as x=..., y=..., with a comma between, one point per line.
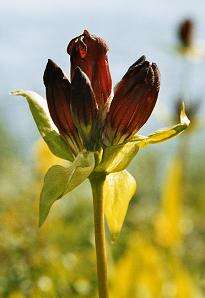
x=33, y=31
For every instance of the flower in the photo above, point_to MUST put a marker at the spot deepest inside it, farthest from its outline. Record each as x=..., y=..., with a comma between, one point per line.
x=80, y=109
x=185, y=33
x=96, y=134
x=83, y=109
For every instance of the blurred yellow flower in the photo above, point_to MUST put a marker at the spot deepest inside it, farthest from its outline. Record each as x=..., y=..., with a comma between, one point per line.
x=16, y=295
x=168, y=220
x=148, y=272
x=139, y=273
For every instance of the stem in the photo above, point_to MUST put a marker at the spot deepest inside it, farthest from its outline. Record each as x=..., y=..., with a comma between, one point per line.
x=97, y=181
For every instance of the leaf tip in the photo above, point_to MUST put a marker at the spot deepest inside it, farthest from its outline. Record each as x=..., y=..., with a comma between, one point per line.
x=16, y=92
x=42, y=216
x=41, y=221
x=183, y=117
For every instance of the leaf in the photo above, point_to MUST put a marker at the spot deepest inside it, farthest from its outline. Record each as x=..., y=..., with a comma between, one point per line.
x=116, y=158
x=60, y=180
x=46, y=127
x=118, y=190
x=81, y=168
x=166, y=133
x=53, y=189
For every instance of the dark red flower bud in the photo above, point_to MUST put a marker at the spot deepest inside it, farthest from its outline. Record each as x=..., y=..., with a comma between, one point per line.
x=84, y=108
x=90, y=54
x=134, y=99
x=58, y=89
x=185, y=33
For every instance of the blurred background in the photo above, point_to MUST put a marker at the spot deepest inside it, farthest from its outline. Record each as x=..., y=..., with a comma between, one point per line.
x=160, y=252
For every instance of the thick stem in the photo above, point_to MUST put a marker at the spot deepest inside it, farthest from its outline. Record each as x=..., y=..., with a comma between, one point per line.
x=97, y=181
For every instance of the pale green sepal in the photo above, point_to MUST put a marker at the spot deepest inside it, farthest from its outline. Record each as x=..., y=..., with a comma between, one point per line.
x=59, y=181
x=81, y=168
x=117, y=157
x=118, y=190
x=53, y=189
x=46, y=127
x=164, y=134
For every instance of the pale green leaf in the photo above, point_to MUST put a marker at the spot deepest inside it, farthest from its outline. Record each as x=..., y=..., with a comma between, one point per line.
x=59, y=181
x=117, y=157
x=164, y=134
x=118, y=190
x=46, y=127
x=53, y=189
x=81, y=168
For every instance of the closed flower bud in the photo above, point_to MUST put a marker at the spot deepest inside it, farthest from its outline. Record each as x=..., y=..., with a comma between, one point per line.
x=134, y=99
x=58, y=90
x=84, y=108
x=90, y=54
x=185, y=33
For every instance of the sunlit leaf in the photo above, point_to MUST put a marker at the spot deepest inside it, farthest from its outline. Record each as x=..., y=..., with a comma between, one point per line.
x=140, y=268
x=117, y=158
x=118, y=190
x=53, y=189
x=59, y=181
x=166, y=133
x=81, y=168
x=46, y=127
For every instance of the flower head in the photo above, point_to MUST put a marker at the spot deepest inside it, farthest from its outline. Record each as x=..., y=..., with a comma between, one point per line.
x=87, y=117
x=75, y=106
x=83, y=124
x=185, y=33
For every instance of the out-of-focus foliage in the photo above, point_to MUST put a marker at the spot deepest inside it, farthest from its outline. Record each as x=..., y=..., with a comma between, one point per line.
x=146, y=271
x=159, y=253
x=152, y=266
x=169, y=220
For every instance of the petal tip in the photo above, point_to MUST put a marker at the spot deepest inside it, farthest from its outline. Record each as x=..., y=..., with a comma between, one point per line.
x=52, y=72
x=86, y=32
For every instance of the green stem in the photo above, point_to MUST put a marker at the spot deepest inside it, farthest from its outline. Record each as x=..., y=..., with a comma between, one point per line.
x=97, y=181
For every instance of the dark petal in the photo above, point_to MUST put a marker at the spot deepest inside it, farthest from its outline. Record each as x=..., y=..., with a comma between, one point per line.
x=139, y=62
x=84, y=108
x=134, y=101
x=90, y=54
x=58, y=90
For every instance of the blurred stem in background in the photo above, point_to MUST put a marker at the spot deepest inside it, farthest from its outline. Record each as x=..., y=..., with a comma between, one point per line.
x=97, y=182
